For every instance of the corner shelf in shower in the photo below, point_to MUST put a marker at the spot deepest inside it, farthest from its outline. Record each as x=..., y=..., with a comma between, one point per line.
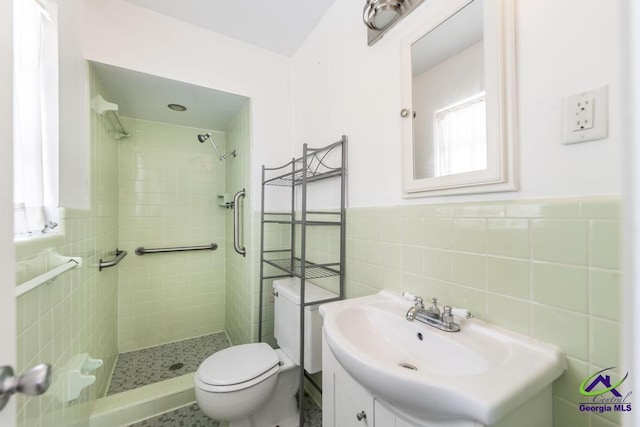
x=316, y=164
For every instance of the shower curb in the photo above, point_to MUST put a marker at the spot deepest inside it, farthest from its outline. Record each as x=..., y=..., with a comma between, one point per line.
x=123, y=409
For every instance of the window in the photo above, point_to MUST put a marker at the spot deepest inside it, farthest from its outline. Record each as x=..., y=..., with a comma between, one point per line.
x=461, y=137
x=35, y=139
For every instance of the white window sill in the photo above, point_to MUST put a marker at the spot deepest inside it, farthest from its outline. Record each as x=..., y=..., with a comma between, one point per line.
x=26, y=246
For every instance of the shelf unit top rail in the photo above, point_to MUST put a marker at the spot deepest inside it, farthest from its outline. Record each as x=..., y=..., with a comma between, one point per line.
x=317, y=167
x=286, y=180
x=313, y=151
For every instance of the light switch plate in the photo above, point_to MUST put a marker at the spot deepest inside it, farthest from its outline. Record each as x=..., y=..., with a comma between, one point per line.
x=586, y=116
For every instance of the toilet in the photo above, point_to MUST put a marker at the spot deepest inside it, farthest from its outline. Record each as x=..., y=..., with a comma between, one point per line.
x=253, y=385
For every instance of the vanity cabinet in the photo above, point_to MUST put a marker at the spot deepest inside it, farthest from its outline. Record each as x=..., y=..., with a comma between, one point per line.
x=353, y=405
x=417, y=375
x=346, y=403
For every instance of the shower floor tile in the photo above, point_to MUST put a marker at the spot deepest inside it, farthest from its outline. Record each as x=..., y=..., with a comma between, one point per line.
x=192, y=416
x=151, y=365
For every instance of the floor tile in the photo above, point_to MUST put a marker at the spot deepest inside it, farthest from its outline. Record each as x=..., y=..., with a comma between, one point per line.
x=151, y=365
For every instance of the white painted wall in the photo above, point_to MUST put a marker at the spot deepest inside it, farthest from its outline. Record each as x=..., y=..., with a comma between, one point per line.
x=74, y=110
x=122, y=34
x=342, y=86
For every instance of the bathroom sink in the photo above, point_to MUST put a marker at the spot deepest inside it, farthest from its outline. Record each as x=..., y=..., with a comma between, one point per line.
x=481, y=373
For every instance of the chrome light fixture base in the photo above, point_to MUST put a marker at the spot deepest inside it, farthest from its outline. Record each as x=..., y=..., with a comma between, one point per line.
x=381, y=15
x=378, y=14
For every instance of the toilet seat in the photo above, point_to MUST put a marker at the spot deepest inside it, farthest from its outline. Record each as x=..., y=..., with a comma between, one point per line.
x=236, y=368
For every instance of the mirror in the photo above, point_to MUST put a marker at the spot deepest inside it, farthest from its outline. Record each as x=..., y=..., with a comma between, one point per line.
x=459, y=134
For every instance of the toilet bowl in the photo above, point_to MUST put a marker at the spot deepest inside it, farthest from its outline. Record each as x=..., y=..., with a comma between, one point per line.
x=253, y=385
x=239, y=385
x=236, y=381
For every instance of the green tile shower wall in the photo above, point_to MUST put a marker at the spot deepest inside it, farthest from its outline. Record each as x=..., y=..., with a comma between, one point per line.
x=547, y=269
x=76, y=313
x=240, y=278
x=168, y=185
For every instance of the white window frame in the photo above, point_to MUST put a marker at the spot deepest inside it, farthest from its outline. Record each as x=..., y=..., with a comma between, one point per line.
x=35, y=117
x=467, y=119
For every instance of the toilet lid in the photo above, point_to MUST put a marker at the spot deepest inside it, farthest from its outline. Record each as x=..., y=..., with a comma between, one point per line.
x=238, y=364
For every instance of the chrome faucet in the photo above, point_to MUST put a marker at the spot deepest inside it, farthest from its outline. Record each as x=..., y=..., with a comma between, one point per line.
x=434, y=311
x=432, y=316
x=418, y=305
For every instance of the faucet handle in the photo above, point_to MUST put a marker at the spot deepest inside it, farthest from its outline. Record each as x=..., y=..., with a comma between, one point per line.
x=462, y=313
x=447, y=315
x=418, y=301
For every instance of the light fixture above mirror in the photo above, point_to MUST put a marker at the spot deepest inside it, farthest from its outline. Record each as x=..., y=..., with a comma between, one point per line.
x=380, y=15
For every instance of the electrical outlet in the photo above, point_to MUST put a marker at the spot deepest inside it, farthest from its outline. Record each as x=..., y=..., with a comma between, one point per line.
x=586, y=116
x=583, y=111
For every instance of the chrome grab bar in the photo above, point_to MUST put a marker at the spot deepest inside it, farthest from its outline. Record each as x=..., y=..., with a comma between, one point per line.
x=105, y=264
x=236, y=223
x=141, y=251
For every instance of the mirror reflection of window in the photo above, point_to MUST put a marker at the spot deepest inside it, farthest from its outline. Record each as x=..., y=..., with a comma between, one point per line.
x=449, y=128
x=460, y=137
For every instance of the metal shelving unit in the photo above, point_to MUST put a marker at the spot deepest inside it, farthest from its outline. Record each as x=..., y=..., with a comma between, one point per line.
x=315, y=164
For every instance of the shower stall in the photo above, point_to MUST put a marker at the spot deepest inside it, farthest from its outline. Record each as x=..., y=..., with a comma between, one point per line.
x=174, y=292
x=160, y=194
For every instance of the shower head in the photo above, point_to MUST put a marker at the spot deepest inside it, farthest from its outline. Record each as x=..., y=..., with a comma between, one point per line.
x=203, y=137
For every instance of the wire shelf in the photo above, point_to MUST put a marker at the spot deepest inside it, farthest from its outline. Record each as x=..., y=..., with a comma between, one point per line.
x=311, y=270
x=298, y=222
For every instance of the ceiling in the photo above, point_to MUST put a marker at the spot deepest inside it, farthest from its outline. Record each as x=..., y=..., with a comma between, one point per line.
x=280, y=26
x=144, y=96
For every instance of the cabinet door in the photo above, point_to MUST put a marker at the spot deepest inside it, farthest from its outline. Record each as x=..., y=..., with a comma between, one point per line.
x=345, y=403
x=353, y=404
x=384, y=418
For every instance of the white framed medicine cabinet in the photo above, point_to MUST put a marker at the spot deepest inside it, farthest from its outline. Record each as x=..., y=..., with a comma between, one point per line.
x=459, y=98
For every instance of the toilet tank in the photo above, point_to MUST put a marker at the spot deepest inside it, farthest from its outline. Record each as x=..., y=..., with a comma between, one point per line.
x=287, y=321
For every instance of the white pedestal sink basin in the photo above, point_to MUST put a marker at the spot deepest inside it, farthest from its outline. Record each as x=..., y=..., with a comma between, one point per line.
x=481, y=373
